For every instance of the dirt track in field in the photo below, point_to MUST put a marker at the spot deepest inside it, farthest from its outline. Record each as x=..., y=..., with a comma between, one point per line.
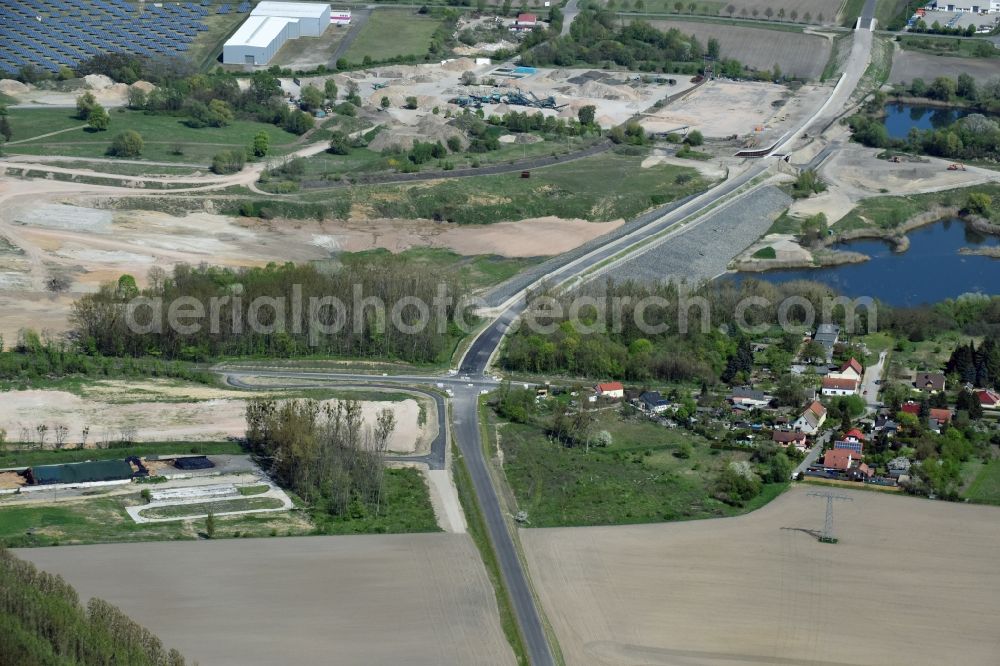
x=417, y=599
x=911, y=582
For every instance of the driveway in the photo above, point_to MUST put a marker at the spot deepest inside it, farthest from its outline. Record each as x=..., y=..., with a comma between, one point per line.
x=813, y=454
x=870, y=383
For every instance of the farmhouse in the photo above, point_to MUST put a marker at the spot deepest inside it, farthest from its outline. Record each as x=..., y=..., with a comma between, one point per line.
x=612, y=390
x=812, y=419
x=270, y=25
x=931, y=382
x=839, y=386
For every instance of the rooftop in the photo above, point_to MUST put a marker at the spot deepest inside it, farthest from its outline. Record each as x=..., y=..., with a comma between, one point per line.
x=290, y=9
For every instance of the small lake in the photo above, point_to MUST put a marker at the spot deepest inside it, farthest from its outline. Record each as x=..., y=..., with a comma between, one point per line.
x=901, y=118
x=930, y=270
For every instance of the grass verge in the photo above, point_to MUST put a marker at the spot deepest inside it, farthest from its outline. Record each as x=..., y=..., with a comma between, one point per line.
x=219, y=506
x=30, y=458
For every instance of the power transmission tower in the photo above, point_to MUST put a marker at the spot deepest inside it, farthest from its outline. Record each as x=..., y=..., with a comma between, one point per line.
x=827, y=536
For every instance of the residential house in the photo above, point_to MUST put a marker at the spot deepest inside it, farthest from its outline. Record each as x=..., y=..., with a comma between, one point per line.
x=789, y=438
x=524, y=22
x=812, y=419
x=854, y=435
x=653, y=402
x=910, y=407
x=850, y=370
x=839, y=386
x=610, y=390
x=885, y=424
x=747, y=397
x=840, y=460
x=861, y=472
x=988, y=399
x=940, y=415
x=930, y=382
x=827, y=335
x=850, y=445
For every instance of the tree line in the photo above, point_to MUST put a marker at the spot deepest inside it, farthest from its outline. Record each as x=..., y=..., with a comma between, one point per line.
x=43, y=622
x=255, y=313
x=327, y=454
x=610, y=344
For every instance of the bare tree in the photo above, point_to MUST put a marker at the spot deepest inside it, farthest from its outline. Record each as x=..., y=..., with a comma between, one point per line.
x=42, y=430
x=24, y=436
x=794, y=15
x=84, y=434
x=61, y=432
x=128, y=433
x=730, y=9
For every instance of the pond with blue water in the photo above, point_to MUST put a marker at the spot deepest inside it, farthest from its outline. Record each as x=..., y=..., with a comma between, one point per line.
x=930, y=270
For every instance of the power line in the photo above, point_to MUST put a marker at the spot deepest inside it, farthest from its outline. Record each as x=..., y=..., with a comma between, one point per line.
x=827, y=536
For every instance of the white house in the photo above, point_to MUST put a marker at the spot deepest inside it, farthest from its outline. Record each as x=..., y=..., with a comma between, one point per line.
x=850, y=370
x=612, y=390
x=812, y=419
x=835, y=386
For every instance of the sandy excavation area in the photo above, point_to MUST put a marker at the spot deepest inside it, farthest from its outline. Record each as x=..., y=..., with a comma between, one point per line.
x=42, y=237
x=160, y=413
x=617, y=95
x=417, y=599
x=720, y=109
x=911, y=582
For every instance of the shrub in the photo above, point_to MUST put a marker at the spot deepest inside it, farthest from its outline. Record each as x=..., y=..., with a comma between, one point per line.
x=228, y=161
x=126, y=144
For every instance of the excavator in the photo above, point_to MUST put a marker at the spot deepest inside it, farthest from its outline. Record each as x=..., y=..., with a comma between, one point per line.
x=957, y=166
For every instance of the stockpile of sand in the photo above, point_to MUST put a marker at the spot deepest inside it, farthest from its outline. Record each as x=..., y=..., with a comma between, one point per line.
x=98, y=81
x=429, y=128
x=12, y=87
x=459, y=65
x=144, y=86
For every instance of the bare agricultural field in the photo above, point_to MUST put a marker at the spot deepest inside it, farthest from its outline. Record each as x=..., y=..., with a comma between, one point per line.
x=909, y=65
x=911, y=582
x=417, y=599
x=160, y=412
x=798, y=54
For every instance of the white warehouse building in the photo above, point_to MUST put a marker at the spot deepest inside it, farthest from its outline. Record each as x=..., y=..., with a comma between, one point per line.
x=270, y=25
x=975, y=6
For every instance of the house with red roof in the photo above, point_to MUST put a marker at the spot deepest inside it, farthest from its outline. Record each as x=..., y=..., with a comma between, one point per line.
x=839, y=386
x=611, y=390
x=910, y=408
x=940, y=415
x=854, y=435
x=850, y=370
x=812, y=419
x=850, y=445
x=988, y=399
x=840, y=460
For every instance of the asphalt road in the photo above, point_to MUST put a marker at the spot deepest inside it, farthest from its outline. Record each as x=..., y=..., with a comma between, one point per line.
x=570, y=12
x=813, y=454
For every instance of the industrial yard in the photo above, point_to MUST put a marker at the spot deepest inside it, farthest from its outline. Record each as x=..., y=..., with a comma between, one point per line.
x=664, y=594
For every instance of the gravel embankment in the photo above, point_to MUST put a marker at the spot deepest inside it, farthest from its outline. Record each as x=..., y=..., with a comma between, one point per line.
x=505, y=290
x=704, y=251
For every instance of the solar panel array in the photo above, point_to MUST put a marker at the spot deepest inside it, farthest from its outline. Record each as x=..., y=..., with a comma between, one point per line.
x=50, y=33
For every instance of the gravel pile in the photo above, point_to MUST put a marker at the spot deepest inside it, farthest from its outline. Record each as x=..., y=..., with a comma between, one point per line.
x=705, y=251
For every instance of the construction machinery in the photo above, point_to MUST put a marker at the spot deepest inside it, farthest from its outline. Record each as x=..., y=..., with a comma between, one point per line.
x=957, y=166
x=379, y=86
